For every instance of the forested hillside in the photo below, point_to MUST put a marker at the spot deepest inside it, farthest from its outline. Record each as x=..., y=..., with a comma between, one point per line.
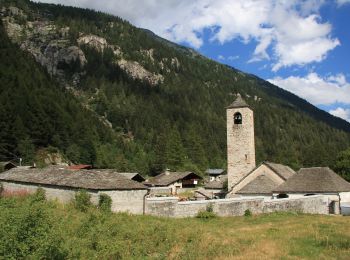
x=114, y=95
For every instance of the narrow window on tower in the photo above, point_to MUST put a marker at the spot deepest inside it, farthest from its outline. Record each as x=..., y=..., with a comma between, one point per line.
x=237, y=118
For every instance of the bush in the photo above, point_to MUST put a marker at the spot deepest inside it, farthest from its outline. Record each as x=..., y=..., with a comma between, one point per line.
x=82, y=200
x=210, y=207
x=39, y=195
x=247, y=213
x=207, y=213
x=105, y=203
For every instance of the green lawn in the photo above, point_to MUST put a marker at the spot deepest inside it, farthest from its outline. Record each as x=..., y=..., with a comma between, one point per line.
x=32, y=228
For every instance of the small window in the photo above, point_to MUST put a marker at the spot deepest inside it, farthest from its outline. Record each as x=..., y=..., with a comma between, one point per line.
x=237, y=118
x=282, y=196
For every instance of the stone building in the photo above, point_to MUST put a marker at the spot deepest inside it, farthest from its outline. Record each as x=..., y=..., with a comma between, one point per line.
x=240, y=141
x=5, y=166
x=271, y=179
x=61, y=184
x=263, y=180
x=315, y=181
x=244, y=178
x=215, y=174
x=174, y=181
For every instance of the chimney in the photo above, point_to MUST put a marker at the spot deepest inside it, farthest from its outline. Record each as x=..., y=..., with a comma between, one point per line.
x=167, y=171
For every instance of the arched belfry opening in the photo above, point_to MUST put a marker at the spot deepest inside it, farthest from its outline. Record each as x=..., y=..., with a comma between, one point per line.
x=237, y=118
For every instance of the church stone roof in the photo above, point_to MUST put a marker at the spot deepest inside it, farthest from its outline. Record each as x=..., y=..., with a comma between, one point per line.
x=63, y=177
x=260, y=185
x=314, y=180
x=239, y=102
x=282, y=170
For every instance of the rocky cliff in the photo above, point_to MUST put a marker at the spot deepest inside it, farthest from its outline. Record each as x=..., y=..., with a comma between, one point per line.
x=52, y=48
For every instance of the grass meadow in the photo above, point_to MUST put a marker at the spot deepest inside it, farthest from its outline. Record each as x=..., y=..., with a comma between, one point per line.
x=33, y=228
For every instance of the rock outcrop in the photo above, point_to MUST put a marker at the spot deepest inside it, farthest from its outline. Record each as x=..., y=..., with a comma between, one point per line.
x=53, y=49
x=94, y=41
x=136, y=71
x=48, y=44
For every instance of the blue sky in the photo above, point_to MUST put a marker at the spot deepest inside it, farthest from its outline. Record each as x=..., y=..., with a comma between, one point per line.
x=300, y=45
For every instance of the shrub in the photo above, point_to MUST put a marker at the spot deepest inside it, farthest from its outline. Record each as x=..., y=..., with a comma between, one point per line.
x=82, y=200
x=247, y=213
x=105, y=202
x=207, y=213
x=39, y=195
x=210, y=207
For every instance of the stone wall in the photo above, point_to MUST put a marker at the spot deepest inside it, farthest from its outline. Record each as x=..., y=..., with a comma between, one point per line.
x=171, y=207
x=122, y=200
x=63, y=195
x=164, y=207
x=133, y=201
x=127, y=200
x=313, y=205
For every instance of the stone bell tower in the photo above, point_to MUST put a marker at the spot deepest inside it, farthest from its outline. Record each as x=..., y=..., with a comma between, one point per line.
x=240, y=141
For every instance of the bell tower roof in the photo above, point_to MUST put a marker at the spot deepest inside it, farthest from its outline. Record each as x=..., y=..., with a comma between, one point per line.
x=239, y=102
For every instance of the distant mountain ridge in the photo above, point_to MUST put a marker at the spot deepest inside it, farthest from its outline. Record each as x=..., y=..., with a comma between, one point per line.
x=162, y=104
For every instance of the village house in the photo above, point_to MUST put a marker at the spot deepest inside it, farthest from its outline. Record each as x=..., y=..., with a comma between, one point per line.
x=215, y=174
x=5, y=166
x=216, y=188
x=174, y=181
x=61, y=184
x=315, y=181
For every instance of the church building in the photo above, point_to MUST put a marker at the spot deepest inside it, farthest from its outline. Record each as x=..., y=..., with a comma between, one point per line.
x=270, y=180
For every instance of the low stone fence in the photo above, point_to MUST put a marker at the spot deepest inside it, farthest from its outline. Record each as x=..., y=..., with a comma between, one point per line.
x=171, y=207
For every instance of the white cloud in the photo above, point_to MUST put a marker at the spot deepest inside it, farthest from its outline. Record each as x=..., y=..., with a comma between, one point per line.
x=232, y=58
x=315, y=89
x=221, y=57
x=341, y=112
x=229, y=58
x=288, y=32
x=342, y=2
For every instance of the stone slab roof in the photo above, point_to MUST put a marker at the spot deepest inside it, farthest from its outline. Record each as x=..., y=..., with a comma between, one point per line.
x=216, y=184
x=282, y=170
x=239, y=102
x=167, y=178
x=3, y=164
x=314, y=180
x=83, y=179
x=260, y=185
x=132, y=175
x=215, y=171
x=204, y=193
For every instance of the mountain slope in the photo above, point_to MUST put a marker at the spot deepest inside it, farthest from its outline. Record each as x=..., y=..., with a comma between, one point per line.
x=36, y=112
x=165, y=103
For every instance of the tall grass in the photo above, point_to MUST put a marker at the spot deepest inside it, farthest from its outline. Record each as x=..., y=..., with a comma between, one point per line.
x=36, y=229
